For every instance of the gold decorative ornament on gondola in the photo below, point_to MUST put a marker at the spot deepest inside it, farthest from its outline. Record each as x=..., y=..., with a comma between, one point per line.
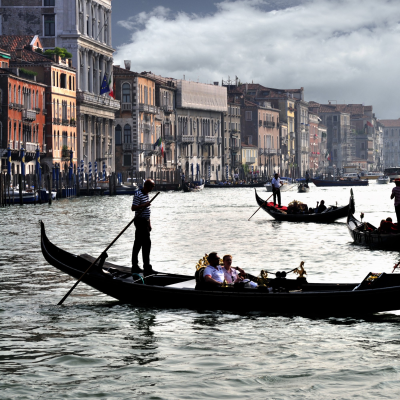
x=203, y=262
x=262, y=279
x=300, y=271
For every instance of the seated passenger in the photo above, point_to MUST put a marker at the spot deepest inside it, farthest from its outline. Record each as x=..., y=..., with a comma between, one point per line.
x=232, y=274
x=213, y=273
x=321, y=207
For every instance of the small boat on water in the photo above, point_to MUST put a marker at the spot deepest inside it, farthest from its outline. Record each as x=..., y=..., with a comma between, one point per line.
x=339, y=182
x=366, y=234
x=376, y=293
x=371, y=175
x=303, y=188
x=331, y=214
x=28, y=196
x=193, y=186
x=383, y=180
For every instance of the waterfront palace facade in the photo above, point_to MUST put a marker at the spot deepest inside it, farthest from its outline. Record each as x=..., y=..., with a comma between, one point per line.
x=83, y=27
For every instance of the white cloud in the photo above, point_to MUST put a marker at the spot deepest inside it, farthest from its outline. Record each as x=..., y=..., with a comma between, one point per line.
x=342, y=50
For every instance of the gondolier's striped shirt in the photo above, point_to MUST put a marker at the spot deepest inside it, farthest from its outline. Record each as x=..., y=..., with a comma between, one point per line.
x=141, y=198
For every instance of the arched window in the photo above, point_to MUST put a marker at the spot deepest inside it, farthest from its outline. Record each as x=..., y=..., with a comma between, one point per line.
x=19, y=95
x=126, y=93
x=118, y=135
x=127, y=134
x=9, y=93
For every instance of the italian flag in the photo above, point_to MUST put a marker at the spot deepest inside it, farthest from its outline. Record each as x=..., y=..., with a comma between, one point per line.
x=111, y=86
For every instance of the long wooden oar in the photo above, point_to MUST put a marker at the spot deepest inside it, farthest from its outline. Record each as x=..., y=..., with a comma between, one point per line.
x=261, y=206
x=98, y=258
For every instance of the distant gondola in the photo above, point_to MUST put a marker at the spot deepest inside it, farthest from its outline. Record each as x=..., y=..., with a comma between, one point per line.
x=303, y=188
x=193, y=187
x=366, y=234
x=331, y=214
x=290, y=296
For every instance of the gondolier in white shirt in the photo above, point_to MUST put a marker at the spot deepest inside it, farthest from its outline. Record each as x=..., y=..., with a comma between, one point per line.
x=276, y=189
x=141, y=206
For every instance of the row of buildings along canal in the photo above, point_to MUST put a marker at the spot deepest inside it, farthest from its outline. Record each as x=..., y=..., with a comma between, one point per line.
x=157, y=127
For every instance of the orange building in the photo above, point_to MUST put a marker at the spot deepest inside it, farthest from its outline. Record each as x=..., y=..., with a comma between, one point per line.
x=59, y=104
x=22, y=121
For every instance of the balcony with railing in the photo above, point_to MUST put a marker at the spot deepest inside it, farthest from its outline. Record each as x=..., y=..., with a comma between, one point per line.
x=72, y=122
x=250, y=160
x=169, y=139
x=126, y=106
x=147, y=108
x=96, y=99
x=260, y=122
x=270, y=152
x=44, y=111
x=269, y=124
x=37, y=109
x=207, y=139
x=186, y=139
x=167, y=109
x=128, y=146
x=65, y=122
x=30, y=147
x=147, y=148
x=28, y=115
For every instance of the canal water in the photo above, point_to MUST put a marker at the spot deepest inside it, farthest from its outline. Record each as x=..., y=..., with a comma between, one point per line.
x=94, y=347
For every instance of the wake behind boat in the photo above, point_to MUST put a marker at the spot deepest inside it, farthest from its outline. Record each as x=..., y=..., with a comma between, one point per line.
x=279, y=295
x=331, y=214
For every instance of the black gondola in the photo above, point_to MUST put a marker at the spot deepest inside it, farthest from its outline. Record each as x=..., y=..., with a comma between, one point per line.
x=193, y=187
x=178, y=291
x=332, y=213
x=303, y=188
x=366, y=234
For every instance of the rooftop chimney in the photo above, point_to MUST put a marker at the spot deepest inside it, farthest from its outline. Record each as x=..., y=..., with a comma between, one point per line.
x=127, y=64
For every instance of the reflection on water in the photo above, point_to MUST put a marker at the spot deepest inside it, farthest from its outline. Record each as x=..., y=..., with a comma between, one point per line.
x=96, y=347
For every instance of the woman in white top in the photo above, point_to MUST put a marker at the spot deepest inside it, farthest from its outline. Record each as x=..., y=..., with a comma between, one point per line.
x=232, y=274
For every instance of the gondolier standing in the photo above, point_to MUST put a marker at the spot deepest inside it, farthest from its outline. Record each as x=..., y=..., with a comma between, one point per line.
x=396, y=195
x=143, y=228
x=276, y=189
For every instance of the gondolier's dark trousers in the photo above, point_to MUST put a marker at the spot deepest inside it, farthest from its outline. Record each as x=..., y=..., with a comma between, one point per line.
x=397, y=209
x=277, y=192
x=142, y=241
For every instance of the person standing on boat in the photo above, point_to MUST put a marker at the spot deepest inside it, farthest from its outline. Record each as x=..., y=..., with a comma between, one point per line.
x=141, y=206
x=307, y=178
x=213, y=273
x=396, y=195
x=276, y=189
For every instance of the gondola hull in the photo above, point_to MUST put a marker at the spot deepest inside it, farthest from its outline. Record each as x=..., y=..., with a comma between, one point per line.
x=315, y=299
x=367, y=235
x=327, y=217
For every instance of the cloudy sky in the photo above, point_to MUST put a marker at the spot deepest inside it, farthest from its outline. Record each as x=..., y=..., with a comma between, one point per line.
x=343, y=50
